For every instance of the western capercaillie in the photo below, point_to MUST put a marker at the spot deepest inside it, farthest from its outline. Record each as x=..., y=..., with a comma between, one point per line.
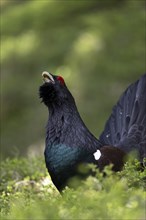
x=70, y=143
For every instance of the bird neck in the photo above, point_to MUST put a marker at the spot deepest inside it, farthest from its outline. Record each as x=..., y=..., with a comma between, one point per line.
x=66, y=107
x=65, y=125
x=61, y=118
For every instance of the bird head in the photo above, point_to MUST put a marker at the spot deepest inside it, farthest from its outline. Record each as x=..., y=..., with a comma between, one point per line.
x=54, y=90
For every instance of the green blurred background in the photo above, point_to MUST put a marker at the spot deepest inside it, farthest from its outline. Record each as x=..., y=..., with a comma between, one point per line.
x=97, y=46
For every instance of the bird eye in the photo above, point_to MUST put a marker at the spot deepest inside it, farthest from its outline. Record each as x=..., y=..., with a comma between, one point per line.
x=60, y=79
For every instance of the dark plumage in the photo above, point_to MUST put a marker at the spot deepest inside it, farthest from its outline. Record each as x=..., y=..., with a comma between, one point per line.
x=70, y=143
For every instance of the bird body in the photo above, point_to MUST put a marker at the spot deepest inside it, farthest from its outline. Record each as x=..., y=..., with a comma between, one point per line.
x=70, y=143
x=67, y=138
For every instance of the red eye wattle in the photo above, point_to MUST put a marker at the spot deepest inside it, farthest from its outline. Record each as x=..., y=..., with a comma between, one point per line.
x=60, y=79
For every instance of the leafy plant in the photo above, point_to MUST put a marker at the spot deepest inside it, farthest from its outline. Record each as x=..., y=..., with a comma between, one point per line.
x=29, y=193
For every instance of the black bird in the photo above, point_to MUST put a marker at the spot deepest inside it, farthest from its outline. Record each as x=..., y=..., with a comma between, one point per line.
x=70, y=143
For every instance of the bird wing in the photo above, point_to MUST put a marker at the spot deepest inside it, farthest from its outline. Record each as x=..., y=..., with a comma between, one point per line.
x=126, y=126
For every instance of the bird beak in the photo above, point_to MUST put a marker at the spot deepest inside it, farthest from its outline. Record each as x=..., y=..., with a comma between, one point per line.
x=47, y=77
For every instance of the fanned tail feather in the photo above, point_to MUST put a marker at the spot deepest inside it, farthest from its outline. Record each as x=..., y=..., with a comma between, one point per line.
x=126, y=127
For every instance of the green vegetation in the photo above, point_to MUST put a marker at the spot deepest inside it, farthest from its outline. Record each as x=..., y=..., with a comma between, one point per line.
x=27, y=193
x=98, y=46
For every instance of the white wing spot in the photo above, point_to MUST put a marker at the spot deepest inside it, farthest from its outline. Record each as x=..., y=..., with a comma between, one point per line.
x=97, y=155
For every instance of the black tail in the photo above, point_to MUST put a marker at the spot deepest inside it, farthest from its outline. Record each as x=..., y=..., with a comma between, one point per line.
x=126, y=127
